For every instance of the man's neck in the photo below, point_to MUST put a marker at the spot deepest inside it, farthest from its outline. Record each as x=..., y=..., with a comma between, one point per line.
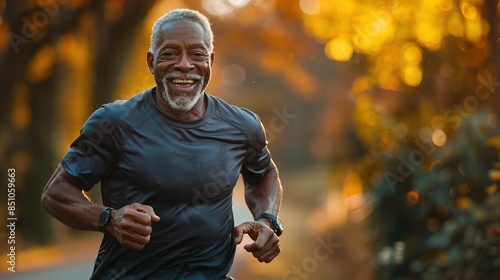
x=194, y=114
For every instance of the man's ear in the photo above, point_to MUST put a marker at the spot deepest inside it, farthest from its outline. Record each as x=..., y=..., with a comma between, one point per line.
x=212, y=58
x=150, y=59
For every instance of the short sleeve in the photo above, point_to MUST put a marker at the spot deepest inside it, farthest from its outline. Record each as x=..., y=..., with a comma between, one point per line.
x=257, y=157
x=93, y=155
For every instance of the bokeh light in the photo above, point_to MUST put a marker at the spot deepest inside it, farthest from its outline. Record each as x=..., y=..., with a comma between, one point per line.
x=233, y=75
x=223, y=7
x=439, y=137
x=339, y=49
x=310, y=7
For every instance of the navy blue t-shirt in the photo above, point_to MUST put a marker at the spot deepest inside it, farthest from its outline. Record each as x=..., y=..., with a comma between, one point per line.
x=185, y=170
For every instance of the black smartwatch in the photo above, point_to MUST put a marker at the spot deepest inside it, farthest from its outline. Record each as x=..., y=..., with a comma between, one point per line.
x=104, y=219
x=275, y=221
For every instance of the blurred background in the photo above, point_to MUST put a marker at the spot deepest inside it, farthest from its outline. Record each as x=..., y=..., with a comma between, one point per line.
x=382, y=116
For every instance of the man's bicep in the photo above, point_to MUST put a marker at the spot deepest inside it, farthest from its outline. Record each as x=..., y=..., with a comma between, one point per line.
x=93, y=155
x=253, y=170
x=68, y=178
x=61, y=188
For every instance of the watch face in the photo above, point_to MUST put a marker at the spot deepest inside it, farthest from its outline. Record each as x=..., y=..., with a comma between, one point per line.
x=103, y=218
x=279, y=226
x=278, y=222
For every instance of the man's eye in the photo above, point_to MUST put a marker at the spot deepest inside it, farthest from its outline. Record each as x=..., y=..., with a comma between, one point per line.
x=199, y=56
x=169, y=55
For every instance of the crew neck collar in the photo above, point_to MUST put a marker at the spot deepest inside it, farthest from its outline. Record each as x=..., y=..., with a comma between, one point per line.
x=187, y=124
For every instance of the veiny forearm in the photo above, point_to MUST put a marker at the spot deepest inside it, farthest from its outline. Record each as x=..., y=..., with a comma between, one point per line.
x=62, y=199
x=265, y=196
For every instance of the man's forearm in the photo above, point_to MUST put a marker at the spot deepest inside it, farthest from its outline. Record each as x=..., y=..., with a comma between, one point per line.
x=265, y=196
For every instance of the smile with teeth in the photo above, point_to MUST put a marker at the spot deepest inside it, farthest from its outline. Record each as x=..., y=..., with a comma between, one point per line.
x=182, y=81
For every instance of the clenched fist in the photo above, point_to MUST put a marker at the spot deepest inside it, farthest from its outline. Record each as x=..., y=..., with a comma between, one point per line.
x=131, y=225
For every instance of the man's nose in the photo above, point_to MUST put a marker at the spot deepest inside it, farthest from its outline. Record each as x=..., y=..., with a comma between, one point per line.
x=184, y=64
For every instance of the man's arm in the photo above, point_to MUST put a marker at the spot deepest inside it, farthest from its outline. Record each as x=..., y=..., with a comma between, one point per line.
x=130, y=225
x=262, y=197
x=266, y=195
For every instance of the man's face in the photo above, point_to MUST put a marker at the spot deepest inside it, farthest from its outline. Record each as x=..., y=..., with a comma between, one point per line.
x=182, y=65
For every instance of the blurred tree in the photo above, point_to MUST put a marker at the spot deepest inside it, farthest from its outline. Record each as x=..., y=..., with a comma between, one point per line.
x=425, y=117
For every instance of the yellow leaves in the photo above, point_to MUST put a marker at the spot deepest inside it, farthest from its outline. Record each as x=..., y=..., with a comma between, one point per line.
x=353, y=185
x=455, y=25
x=429, y=35
x=494, y=174
x=412, y=53
x=21, y=113
x=339, y=49
x=77, y=3
x=22, y=160
x=412, y=75
x=474, y=29
x=444, y=5
x=321, y=28
x=361, y=85
x=412, y=197
x=113, y=9
x=433, y=224
x=72, y=50
x=310, y=7
x=4, y=37
x=293, y=73
x=491, y=189
x=338, y=8
x=40, y=67
x=494, y=142
x=469, y=11
x=389, y=80
x=393, y=35
x=463, y=203
x=439, y=137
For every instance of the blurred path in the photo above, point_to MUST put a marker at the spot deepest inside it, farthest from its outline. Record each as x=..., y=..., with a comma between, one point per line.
x=72, y=258
x=79, y=270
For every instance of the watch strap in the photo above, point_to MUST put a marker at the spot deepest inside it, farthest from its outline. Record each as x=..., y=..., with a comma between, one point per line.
x=267, y=216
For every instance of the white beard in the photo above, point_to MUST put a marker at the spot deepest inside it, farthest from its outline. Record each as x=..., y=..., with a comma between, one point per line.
x=183, y=104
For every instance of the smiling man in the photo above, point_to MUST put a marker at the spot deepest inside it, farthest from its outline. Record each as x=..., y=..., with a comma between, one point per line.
x=168, y=160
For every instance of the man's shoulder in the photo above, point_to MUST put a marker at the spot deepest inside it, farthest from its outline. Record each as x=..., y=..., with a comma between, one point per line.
x=121, y=110
x=234, y=114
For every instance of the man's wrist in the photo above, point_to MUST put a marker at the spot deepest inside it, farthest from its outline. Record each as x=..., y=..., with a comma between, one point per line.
x=274, y=222
x=267, y=222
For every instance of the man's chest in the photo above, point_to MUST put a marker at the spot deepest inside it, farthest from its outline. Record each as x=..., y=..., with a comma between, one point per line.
x=178, y=163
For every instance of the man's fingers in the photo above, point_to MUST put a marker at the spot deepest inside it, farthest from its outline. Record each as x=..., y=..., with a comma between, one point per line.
x=240, y=231
x=261, y=241
x=269, y=255
x=134, y=243
x=132, y=225
x=147, y=210
x=266, y=244
x=133, y=228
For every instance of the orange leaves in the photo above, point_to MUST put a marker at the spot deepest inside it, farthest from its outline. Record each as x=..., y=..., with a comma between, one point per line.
x=293, y=73
x=40, y=67
x=381, y=29
x=21, y=113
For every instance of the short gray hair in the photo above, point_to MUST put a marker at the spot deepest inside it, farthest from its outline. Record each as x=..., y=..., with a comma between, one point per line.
x=181, y=14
